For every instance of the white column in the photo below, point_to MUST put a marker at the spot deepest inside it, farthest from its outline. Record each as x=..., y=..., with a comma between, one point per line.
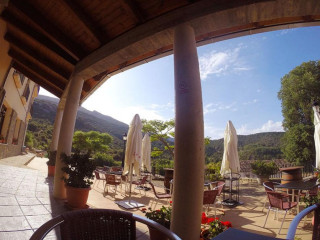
x=66, y=133
x=56, y=128
x=189, y=137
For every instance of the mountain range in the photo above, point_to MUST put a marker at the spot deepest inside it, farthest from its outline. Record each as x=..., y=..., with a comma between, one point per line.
x=254, y=146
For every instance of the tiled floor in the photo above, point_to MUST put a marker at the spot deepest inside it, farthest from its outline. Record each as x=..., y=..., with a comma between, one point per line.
x=26, y=200
x=26, y=203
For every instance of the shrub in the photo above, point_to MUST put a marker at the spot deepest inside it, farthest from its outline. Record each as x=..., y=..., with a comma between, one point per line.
x=263, y=168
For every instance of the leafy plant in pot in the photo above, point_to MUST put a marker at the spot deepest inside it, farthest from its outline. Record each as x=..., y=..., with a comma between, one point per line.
x=263, y=170
x=79, y=168
x=51, y=162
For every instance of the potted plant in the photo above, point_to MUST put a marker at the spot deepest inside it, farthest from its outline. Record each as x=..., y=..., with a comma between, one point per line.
x=212, y=227
x=51, y=163
x=309, y=201
x=263, y=170
x=161, y=216
x=79, y=168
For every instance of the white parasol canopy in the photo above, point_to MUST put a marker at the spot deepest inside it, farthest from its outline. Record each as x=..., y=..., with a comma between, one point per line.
x=230, y=161
x=316, y=122
x=133, y=147
x=146, y=152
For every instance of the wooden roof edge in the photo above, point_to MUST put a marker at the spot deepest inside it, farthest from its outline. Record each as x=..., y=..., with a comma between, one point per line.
x=161, y=23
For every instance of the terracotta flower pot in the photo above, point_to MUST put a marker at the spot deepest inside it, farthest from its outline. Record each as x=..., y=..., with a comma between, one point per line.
x=51, y=170
x=156, y=235
x=77, y=197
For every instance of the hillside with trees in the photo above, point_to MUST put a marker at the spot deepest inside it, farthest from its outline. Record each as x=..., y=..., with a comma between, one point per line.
x=263, y=146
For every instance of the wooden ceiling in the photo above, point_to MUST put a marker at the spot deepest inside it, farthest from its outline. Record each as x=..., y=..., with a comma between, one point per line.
x=49, y=39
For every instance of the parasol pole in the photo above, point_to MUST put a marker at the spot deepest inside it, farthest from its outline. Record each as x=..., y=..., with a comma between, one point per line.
x=130, y=179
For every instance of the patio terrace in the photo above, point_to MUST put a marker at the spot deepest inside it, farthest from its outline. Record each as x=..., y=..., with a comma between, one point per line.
x=26, y=203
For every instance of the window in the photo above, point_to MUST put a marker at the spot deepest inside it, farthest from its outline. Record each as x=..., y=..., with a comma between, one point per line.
x=18, y=78
x=26, y=94
x=2, y=117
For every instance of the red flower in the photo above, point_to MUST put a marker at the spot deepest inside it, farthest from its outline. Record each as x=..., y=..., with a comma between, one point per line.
x=158, y=210
x=227, y=224
x=204, y=218
x=170, y=202
x=209, y=220
x=143, y=209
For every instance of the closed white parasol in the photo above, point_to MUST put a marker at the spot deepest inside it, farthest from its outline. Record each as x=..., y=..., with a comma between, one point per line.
x=132, y=161
x=230, y=161
x=316, y=122
x=146, y=153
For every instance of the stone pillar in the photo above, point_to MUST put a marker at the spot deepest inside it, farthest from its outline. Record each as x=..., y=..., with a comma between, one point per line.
x=189, y=137
x=66, y=133
x=56, y=128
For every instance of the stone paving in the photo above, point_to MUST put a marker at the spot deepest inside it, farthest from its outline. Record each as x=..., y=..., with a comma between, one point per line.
x=26, y=203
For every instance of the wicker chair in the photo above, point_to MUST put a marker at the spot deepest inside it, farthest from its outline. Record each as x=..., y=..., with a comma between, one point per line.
x=268, y=187
x=112, y=179
x=98, y=224
x=209, y=198
x=279, y=201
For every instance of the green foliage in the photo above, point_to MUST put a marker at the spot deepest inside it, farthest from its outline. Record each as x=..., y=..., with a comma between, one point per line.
x=161, y=164
x=79, y=168
x=298, y=144
x=162, y=215
x=264, y=146
x=161, y=131
x=255, y=151
x=299, y=88
x=311, y=200
x=91, y=142
x=104, y=159
x=42, y=133
x=263, y=168
x=212, y=171
x=29, y=140
x=52, y=158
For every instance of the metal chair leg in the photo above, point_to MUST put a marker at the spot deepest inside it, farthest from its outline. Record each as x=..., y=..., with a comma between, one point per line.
x=283, y=221
x=267, y=217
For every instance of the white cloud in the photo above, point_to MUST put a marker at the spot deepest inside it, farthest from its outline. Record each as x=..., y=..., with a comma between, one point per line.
x=269, y=126
x=251, y=102
x=221, y=63
x=213, y=107
x=213, y=133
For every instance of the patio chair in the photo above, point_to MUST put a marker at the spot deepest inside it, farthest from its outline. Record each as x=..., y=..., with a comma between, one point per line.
x=99, y=178
x=268, y=187
x=114, y=180
x=209, y=198
x=98, y=224
x=159, y=196
x=279, y=201
x=116, y=169
x=140, y=184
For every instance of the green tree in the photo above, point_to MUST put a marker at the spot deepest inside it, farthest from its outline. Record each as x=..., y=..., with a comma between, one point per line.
x=299, y=88
x=92, y=142
x=29, y=141
x=161, y=131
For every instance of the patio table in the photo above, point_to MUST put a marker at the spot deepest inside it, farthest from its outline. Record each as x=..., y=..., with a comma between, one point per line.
x=233, y=233
x=299, y=186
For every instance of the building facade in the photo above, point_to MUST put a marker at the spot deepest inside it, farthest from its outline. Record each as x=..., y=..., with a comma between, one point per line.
x=16, y=98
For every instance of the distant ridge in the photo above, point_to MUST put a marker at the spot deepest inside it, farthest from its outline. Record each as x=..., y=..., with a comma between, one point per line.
x=45, y=107
x=264, y=146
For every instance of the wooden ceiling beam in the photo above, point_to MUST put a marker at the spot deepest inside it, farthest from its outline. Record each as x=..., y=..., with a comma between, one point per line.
x=132, y=7
x=38, y=37
x=36, y=56
x=85, y=20
x=37, y=69
x=53, y=32
x=42, y=82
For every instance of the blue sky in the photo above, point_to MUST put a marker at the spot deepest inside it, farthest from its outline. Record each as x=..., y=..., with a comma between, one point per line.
x=240, y=80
